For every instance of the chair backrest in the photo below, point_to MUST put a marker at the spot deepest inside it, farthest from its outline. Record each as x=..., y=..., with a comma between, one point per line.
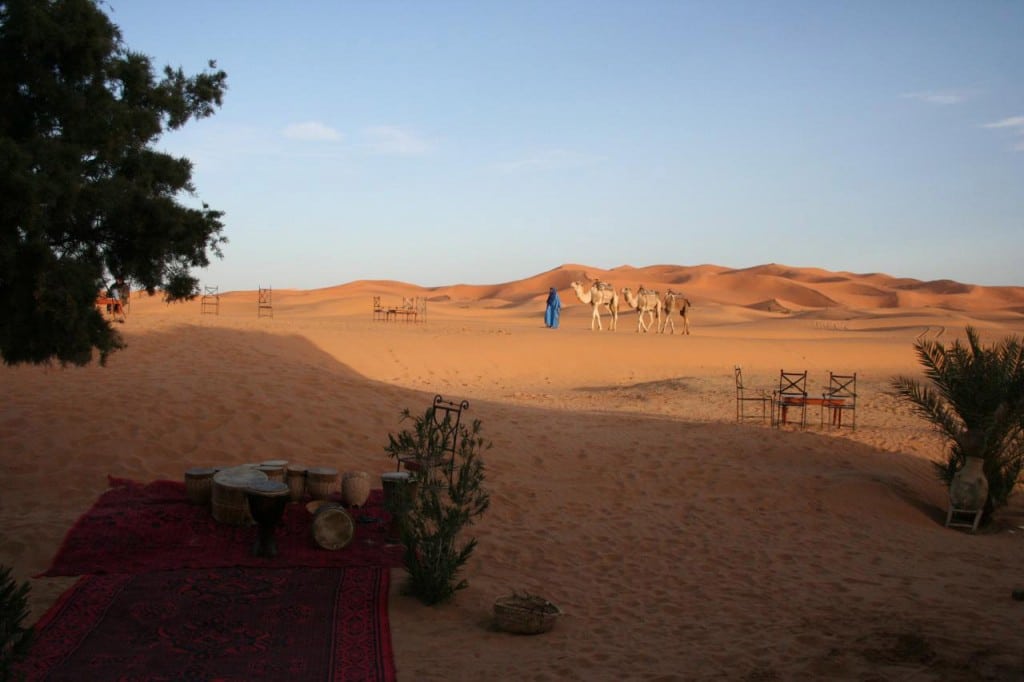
x=376, y=303
x=842, y=386
x=738, y=372
x=447, y=416
x=793, y=384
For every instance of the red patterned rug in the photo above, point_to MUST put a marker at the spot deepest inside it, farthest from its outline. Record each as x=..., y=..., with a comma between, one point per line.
x=134, y=528
x=294, y=624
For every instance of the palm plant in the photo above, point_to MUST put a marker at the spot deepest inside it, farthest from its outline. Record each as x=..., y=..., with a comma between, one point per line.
x=976, y=399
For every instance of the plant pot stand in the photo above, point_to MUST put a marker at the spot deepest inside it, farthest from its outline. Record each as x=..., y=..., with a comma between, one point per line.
x=963, y=518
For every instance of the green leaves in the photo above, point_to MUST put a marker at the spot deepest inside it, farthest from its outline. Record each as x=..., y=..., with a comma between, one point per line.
x=441, y=506
x=975, y=397
x=14, y=639
x=84, y=199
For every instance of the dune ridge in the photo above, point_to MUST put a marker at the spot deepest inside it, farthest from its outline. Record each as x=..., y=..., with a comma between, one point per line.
x=806, y=288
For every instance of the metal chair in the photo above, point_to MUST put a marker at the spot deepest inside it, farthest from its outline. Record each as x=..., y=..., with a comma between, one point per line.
x=445, y=417
x=840, y=396
x=746, y=395
x=792, y=394
x=379, y=311
x=265, y=307
x=210, y=302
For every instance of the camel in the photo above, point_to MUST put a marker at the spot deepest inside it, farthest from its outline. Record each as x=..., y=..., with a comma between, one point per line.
x=599, y=294
x=645, y=302
x=676, y=303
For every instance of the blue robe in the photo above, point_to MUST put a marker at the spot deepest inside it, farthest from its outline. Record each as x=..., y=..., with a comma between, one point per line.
x=553, y=310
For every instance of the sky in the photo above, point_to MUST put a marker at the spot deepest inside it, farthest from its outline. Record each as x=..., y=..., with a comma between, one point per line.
x=442, y=142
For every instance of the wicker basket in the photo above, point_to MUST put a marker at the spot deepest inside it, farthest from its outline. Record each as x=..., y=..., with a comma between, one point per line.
x=525, y=614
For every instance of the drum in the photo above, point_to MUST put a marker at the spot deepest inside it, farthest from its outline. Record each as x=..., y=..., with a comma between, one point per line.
x=228, y=498
x=394, y=484
x=321, y=481
x=398, y=491
x=274, y=472
x=267, y=500
x=332, y=526
x=295, y=477
x=355, y=488
x=199, y=484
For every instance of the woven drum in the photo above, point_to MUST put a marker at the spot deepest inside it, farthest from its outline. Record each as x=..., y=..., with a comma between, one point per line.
x=321, y=481
x=274, y=472
x=199, y=484
x=332, y=526
x=228, y=501
x=355, y=488
x=283, y=463
x=295, y=477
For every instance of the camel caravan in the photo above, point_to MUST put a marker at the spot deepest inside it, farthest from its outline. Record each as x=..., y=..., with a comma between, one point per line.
x=647, y=303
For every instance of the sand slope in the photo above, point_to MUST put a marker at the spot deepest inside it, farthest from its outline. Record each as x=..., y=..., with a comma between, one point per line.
x=679, y=544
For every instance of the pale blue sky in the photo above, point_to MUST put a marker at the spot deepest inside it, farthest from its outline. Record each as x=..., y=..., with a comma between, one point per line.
x=481, y=142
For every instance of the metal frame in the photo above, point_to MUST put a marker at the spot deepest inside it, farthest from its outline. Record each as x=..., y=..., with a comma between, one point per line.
x=760, y=396
x=792, y=393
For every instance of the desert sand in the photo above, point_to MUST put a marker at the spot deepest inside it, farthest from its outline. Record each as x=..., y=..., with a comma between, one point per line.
x=678, y=543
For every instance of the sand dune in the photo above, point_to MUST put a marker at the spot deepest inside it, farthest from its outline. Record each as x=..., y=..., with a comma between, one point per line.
x=679, y=544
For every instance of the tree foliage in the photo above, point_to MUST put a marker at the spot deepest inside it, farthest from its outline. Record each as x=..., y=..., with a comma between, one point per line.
x=975, y=397
x=84, y=198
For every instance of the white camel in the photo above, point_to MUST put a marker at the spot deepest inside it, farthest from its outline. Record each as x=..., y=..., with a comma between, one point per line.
x=599, y=294
x=676, y=303
x=645, y=302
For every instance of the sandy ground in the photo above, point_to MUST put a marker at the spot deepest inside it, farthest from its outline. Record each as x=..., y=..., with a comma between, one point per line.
x=679, y=544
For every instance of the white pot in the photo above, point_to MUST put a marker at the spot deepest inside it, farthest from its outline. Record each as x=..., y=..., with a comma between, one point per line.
x=969, y=487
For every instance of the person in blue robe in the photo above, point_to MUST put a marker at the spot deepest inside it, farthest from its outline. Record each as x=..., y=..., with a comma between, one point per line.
x=554, y=307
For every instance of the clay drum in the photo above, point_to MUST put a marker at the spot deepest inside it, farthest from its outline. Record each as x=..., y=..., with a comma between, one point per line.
x=355, y=488
x=228, y=500
x=295, y=477
x=320, y=481
x=274, y=472
x=199, y=485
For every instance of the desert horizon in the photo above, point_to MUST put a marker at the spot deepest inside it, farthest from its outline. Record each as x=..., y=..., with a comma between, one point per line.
x=678, y=543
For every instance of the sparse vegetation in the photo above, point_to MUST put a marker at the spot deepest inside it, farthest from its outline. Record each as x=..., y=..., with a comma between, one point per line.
x=439, y=506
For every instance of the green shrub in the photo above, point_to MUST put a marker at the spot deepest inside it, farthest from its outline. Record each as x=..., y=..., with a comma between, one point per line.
x=14, y=639
x=441, y=504
x=975, y=397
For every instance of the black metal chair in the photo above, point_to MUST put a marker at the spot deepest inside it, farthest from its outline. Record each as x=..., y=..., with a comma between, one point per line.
x=266, y=303
x=746, y=395
x=840, y=396
x=792, y=395
x=210, y=302
x=379, y=311
x=445, y=418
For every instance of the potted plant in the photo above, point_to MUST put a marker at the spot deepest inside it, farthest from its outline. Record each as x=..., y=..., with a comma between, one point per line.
x=975, y=397
x=447, y=496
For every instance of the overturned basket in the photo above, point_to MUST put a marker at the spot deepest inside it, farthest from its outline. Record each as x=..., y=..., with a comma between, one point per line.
x=526, y=614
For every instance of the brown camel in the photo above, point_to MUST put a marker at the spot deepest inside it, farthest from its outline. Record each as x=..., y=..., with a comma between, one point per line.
x=646, y=302
x=676, y=303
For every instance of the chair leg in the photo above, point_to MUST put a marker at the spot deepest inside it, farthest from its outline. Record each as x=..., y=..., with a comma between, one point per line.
x=977, y=520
